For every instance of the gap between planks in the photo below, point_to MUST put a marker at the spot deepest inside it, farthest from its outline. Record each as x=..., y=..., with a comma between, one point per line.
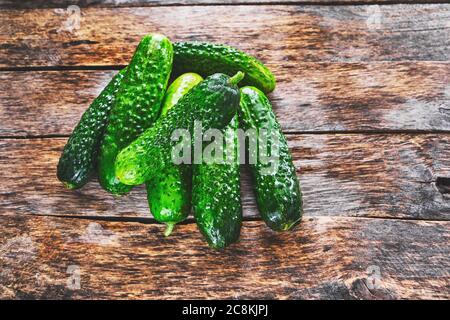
x=191, y=220
x=288, y=133
x=117, y=67
x=137, y=4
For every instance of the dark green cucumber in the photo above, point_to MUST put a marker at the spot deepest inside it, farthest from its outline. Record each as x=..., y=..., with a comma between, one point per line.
x=216, y=197
x=169, y=193
x=78, y=160
x=137, y=105
x=213, y=101
x=278, y=193
x=208, y=58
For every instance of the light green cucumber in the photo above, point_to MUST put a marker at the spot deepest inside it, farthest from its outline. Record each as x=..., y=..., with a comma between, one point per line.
x=169, y=193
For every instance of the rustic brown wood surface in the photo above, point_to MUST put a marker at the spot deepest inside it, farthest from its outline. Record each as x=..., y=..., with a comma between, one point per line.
x=310, y=97
x=328, y=258
x=279, y=35
x=376, y=175
x=363, y=94
x=29, y=4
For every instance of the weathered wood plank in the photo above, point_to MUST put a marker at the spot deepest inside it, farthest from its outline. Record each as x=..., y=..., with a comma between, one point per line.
x=30, y=4
x=326, y=258
x=279, y=35
x=375, y=175
x=309, y=97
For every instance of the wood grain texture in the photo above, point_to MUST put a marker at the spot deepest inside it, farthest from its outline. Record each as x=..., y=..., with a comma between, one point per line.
x=30, y=4
x=309, y=97
x=375, y=175
x=326, y=258
x=363, y=69
x=278, y=35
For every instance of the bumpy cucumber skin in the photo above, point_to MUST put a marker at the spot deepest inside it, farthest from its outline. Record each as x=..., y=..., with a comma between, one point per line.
x=78, y=160
x=137, y=105
x=179, y=87
x=278, y=196
x=213, y=101
x=208, y=58
x=216, y=198
x=169, y=193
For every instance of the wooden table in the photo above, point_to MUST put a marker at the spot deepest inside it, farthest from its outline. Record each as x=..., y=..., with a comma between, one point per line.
x=363, y=95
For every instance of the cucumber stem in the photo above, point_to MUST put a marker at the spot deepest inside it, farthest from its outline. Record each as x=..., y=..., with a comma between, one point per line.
x=237, y=77
x=169, y=228
x=69, y=185
x=288, y=226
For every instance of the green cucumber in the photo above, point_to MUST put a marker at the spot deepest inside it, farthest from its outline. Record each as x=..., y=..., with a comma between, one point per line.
x=179, y=87
x=169, y=193
x=216, y=196
x=277, y=193
x=78, y=160
x=208, y=58
x=137, y=105
x=213, y=101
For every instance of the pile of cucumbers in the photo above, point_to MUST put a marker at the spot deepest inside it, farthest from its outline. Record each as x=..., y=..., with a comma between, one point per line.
x=125, y=137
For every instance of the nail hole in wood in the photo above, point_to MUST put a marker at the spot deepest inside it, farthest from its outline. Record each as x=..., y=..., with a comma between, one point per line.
x=443, y=185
